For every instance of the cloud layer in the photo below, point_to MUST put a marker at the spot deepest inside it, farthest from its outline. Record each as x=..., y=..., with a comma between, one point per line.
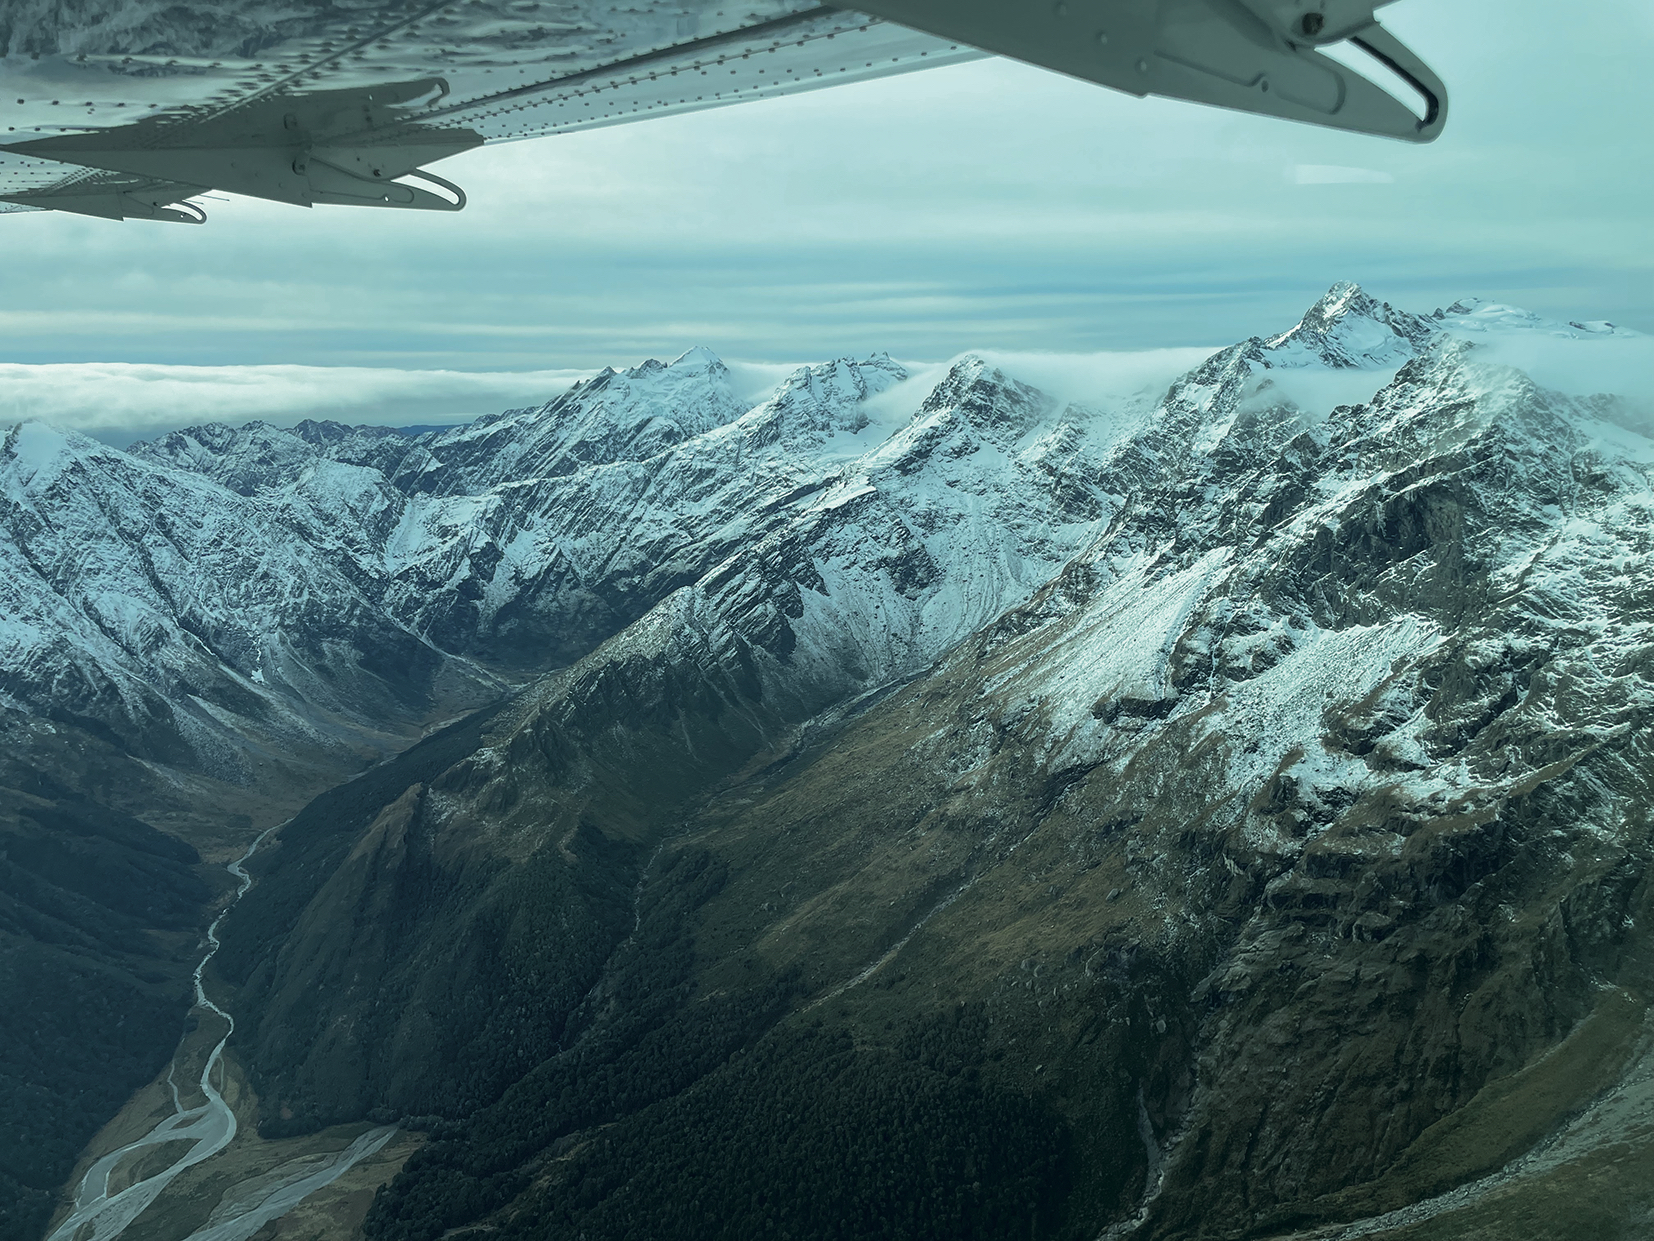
x=120, y=402
x=123, y=402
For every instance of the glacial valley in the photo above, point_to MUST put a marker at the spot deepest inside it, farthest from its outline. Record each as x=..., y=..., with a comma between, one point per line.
x=902, y=807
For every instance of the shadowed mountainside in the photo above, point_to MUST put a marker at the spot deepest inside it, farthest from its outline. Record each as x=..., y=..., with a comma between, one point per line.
x=1282, y=861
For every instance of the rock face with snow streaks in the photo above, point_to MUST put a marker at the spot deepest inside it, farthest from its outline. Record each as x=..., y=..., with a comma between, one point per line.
x=1256, y=790
x=1219, y=813
x=1354, y=738
x=524, y=541
x=208, y=626
x=185, y=621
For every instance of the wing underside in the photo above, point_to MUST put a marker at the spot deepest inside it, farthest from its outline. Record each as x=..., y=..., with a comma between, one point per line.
x=814, y=49
x=491, y=89
x=137, y=113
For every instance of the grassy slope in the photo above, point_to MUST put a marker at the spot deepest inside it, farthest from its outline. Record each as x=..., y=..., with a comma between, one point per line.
x=1082, y=918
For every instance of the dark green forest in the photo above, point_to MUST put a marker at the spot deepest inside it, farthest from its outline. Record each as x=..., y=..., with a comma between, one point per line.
x=692, y=1116
x=808, y=1137
x=97, y=911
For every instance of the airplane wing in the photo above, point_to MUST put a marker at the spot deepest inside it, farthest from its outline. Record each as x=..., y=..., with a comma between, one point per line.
x=137, y=107
x=1261, y=56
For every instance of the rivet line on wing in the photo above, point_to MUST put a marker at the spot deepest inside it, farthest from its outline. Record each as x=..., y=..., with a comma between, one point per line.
x=330, y=59
x=620, y=67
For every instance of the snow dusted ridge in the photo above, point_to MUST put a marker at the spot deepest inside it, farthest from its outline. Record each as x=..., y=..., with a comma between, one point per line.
x=1474, y=316
x=1289, y=572
x=298, y=584
x=1284, y=730
x=1357, y=701
x=161, y=612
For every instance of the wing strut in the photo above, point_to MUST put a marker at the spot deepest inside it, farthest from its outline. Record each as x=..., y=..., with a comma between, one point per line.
x=1250, y=55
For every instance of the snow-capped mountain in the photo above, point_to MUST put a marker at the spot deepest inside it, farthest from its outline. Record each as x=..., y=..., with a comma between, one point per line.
x=525, y=540
x=1143, y=726
x=1366, y=699
x=183, y=621
x=226, y=600
x=1276, y=844
x=221, y=582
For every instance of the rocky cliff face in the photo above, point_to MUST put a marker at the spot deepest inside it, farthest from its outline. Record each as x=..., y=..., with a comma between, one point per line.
x=943, y=811
x=1236, y=829
x=178, y=620
x=204, y=631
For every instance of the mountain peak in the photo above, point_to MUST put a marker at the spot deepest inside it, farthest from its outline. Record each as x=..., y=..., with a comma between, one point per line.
x=817, y=401
x=698, y=357
x=1341, y=297
x=29, y=450
x=1349, y=329
x=993, y=402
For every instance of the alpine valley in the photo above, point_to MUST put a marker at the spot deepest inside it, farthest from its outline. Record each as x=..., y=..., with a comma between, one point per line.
x=914, y=806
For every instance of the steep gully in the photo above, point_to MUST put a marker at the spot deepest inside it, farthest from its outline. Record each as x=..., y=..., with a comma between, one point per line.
x=99, y=1215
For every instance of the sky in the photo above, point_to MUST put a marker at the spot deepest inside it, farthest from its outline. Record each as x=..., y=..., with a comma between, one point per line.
x=990, y=206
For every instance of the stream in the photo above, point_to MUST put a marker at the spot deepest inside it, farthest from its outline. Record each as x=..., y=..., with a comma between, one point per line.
x=99, y=1215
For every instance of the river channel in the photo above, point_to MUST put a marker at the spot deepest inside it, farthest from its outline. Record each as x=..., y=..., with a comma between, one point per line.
x=99, y=1215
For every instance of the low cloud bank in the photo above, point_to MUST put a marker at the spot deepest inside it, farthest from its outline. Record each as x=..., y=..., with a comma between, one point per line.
x=119, y=402
x=1621, y=365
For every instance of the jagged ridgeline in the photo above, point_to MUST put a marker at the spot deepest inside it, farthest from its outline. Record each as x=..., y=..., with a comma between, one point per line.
x=934, y=810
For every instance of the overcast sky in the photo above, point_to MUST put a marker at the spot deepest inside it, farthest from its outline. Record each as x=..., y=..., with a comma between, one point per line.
x=990, y=206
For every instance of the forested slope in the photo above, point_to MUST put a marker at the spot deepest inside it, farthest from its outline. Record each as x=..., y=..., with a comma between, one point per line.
x=99, y=916
x=1282, y=862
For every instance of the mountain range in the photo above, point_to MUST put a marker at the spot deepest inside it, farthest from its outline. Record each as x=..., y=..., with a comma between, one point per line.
x=901, y=808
